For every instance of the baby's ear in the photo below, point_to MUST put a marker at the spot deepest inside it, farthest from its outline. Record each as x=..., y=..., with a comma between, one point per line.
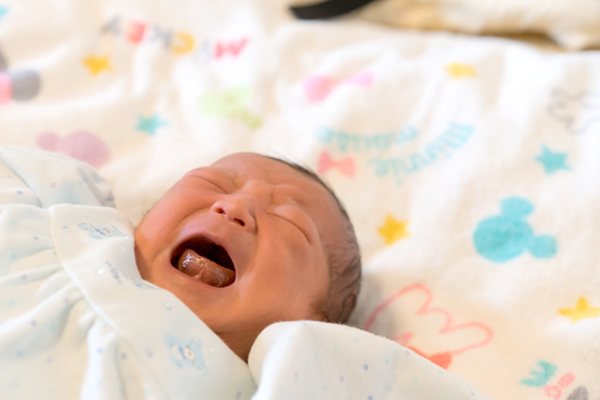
x=323, y=318
x=319, y=315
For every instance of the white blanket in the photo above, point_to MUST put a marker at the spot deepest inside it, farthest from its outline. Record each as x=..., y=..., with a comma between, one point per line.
x=469, y=165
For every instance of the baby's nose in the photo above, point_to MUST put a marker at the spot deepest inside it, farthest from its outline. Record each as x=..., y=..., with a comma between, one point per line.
x=237, y=208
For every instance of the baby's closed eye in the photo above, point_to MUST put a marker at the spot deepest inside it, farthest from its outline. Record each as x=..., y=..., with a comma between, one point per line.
x=293, y=216
x=217, y=186
x=216, y=179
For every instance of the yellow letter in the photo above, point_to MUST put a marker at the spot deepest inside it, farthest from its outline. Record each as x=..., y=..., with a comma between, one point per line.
x=186, y=43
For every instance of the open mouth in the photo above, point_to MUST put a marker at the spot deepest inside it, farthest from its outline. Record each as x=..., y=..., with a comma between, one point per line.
x=205, y=261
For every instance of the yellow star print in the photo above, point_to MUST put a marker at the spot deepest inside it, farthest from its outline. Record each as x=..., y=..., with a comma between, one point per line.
x=97, y=64
x=583, y=309
x=457, y=70
x=393, y=230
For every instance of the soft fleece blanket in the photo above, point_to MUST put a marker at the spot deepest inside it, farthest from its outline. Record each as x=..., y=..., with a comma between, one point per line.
x=469, y=165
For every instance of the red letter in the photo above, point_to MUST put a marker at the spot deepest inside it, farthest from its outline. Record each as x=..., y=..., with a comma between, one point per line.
x=136, y=32
x=232, y=47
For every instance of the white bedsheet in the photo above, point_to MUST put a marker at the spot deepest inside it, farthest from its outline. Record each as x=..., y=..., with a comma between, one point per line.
x=469, y=165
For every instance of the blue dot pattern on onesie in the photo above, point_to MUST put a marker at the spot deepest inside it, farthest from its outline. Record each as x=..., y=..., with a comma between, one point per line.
x=505, y=236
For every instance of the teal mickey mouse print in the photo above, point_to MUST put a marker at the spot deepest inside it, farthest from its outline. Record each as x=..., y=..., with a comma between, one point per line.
x=503, y=237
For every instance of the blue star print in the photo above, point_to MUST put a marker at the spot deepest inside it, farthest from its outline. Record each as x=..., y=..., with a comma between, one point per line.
x=552, y=161
x=151, y=124
x=541, y=376
x=3, y=10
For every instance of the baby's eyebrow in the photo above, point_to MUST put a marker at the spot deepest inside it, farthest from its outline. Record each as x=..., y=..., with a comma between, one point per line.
x=291, y=191
x=225, y=173
x=312, y=175
x=304, y=170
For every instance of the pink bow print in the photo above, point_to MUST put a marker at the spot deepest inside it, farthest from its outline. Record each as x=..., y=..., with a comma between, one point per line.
x=555, y=391
x=318, y=87
x=345, y=165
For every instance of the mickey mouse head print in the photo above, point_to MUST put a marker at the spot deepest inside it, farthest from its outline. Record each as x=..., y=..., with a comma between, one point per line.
x=502, y=237
x=19, y=85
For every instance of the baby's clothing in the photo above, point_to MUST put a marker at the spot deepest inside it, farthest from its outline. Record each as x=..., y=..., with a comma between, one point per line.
x=77, y=320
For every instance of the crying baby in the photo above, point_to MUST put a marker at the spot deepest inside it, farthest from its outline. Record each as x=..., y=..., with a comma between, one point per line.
x=250, y=241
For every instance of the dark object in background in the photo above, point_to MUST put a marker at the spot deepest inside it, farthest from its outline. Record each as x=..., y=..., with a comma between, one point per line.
x=327, y=9
x=19, y=85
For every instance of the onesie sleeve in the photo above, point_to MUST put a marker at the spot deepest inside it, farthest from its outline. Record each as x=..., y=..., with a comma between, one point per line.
x=40, y=178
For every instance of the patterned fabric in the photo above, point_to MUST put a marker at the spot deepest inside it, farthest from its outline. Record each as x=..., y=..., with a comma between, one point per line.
x=469, y=165
x=75, y=316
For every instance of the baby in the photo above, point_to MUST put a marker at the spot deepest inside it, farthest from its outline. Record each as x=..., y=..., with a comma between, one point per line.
x=249, y=241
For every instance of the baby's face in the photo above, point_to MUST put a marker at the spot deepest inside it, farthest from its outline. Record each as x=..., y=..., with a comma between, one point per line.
x=243, y=244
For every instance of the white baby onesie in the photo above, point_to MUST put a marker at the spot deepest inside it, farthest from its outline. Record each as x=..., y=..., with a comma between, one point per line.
x=76, y=319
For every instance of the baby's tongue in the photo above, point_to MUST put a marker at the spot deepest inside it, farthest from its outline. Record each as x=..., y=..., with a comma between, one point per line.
x=205, y=270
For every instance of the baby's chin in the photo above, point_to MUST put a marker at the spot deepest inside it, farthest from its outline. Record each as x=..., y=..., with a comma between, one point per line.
x=240, y=342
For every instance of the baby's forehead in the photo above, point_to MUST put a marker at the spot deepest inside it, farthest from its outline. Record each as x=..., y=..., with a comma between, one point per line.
x=308, y=188
x=256, y=166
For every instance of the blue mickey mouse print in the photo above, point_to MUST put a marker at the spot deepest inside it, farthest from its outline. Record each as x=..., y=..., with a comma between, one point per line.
x=186, y=354
x=102, y=232
x=577, y=111
x=505, y=236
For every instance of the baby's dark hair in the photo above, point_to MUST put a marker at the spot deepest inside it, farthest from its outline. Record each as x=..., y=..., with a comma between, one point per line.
x=343, y=258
